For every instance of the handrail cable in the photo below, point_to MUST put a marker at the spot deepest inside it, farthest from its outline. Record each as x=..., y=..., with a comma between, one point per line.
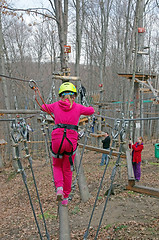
x=115, y=134
x=23, y=131
x=16, y=138
x=122, y=136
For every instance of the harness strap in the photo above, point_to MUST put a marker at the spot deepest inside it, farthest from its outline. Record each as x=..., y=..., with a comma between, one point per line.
x=60, y=155
x=66, y=126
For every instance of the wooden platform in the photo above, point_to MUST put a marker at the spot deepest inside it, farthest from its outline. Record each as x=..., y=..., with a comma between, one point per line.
x=144, y=190
x=102, y=134
x=131, y=180
x=140, y=76
x=2, y=142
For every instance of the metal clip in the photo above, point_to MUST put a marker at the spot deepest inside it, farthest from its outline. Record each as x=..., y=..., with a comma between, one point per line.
x=32, y=84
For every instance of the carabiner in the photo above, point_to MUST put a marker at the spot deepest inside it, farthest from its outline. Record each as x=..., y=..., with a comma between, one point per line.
x=32, y=84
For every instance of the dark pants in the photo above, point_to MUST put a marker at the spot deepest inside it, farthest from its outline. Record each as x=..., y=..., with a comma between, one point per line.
x=137, y=170
x=104, y=159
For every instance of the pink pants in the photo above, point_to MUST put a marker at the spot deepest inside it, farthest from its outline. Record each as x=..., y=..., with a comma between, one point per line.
x=61, y=166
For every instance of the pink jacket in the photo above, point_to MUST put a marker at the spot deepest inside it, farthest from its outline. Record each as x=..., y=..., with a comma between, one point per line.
x=66, y=115
x=136, y=153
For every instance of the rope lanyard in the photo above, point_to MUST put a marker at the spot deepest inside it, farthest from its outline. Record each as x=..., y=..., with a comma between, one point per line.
x=33, y=85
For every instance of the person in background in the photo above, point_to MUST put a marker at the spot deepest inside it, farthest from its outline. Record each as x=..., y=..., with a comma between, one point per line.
x=93, y=123
x=64, y=137
x=29, y=129
x=106, y=145
x=82, y=92
x=136, y=157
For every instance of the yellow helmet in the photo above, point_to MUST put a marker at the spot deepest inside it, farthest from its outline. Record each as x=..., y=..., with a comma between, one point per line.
x=67, y=86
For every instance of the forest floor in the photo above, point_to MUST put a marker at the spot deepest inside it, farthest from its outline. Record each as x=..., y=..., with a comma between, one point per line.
x=129, y=215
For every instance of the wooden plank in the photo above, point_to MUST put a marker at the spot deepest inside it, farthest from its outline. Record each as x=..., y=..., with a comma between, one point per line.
x=102, y=134
x=66, y=78
x=101, y=150
x=129, y=166
x=140, y=76
x=83, y=120
x=3, y=142
x=100, y=104
x=155, y=113
x=145, y=90
x=144, y=190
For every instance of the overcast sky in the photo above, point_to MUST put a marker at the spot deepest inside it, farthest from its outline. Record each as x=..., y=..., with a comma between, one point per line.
x=28, y=3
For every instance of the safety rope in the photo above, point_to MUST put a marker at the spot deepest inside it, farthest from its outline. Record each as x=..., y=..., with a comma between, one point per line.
x=33, y=85
x=115, y=133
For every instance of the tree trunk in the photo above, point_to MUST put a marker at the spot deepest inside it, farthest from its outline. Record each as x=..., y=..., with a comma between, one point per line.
x=5, y=91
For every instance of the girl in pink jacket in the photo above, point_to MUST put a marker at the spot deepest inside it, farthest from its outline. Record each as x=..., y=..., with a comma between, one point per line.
x=136, y=157
x=64, y=137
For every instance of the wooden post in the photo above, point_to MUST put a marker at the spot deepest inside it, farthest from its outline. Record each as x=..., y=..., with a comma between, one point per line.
x=131, y=178
x=84, y=192
x=64, y=223
x=2, y=144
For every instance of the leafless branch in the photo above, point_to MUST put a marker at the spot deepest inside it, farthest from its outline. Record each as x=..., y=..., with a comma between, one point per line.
x=34, y=10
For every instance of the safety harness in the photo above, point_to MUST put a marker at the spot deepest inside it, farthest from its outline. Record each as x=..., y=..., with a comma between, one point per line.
x=70, y=154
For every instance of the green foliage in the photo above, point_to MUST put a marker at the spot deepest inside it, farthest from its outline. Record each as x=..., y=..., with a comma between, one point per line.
x=11, y=176
x=107, y=226
x=99, y=198
x=47, y=215
x=154, y=163
x=120, y=227
x=75, y=210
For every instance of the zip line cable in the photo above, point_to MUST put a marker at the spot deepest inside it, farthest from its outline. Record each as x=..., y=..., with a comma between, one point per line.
x=17, y=79
x=84, y=101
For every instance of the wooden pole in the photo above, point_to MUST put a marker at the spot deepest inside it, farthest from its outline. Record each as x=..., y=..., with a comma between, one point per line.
x=82, y=184
x=64, y=223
